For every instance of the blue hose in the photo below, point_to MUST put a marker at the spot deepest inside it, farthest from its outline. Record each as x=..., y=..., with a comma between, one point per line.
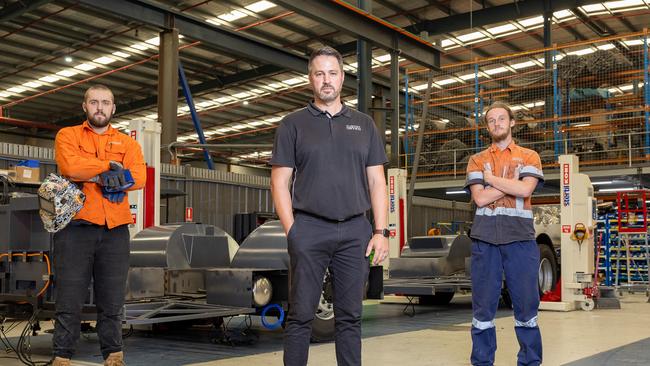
x=277, y=323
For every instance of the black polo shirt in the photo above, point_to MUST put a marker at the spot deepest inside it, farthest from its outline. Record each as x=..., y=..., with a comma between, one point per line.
x=329, y=155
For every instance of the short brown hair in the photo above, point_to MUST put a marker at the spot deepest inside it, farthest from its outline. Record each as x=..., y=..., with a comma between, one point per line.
x=325, y=51
x=496, y=105
x=98, y=87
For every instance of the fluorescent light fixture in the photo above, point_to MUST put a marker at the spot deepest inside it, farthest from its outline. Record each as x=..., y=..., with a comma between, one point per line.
x=16, y=90
x=447, y=43
x=49, y=79
x=562, y=14
x=260, y=6
x=154, y=41
x=532, y=21
x=582, y=125
x=582, y=52
x=184, y=109
x=502, y=28
x=33, y=84
x=523, y=65
x=67, y=73
x=623, y=189
x=245, y=102
x=592, y=8
x=205, y=104
x=141, y=46
x=257, y=91
x=498, y=70
x=224, y=130
x=293, y=81
x=467, y=76
x=85, y=67
x=214, y=21
x=517, y=107
x=104, y=60
x=606, y=46
x=273, y=119
x=444, y=120
x=623, y=4
x=232, y=16
x=222, y=100
x=239, y=127
x=352, y=101
x=626, y=87
x=256, y=123
x=241, y=95
x=420, y=87
x=602, y=183
x=470, y=37
x=121, y=54
x=456, y=192
x=383, y=58
x=634, y=42
x=152, y=116
x=4, y=94
x=68, y=59
x=445, y=81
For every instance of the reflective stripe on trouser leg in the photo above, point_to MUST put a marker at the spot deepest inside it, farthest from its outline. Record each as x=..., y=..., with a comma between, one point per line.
x=487, y=276
x=521, y=266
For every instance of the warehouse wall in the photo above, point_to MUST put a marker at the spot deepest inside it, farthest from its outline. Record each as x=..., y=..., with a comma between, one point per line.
x=216, y=196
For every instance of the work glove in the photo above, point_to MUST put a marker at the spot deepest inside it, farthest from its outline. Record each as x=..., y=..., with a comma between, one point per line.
x=116, y=180
x=114, y=197
x=112, y=166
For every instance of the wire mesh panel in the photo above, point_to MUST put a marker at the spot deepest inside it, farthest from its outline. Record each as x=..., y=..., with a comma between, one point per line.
x=590, y=101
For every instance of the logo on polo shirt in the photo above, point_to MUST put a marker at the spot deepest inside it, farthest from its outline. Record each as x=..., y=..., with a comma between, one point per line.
x=353, y=127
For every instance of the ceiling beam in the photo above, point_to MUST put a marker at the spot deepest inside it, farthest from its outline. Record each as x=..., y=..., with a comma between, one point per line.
x=362, y=25
x=492, y=15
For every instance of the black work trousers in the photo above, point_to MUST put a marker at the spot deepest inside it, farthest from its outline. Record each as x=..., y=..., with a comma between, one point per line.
x=83, y=251
x=315, y=245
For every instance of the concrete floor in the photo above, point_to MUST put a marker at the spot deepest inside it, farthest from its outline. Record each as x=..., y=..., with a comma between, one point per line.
x=434, y=336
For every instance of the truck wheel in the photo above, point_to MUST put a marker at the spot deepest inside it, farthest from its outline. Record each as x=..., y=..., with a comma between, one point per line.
x=547, y=269
x=440, y=298
x=322, y=327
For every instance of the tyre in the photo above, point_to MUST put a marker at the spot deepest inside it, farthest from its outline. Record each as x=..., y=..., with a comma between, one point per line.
x=440, y=298
x=547, y=269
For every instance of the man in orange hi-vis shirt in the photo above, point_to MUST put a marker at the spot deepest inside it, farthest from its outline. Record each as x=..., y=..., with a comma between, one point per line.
x=105, y=163
x=502, y=179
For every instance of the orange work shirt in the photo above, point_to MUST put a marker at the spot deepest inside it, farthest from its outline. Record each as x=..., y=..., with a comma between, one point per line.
x=510, y=218
x=81, y=154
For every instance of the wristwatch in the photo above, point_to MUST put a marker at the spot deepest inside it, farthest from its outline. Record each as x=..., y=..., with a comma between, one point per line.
x=383, y=232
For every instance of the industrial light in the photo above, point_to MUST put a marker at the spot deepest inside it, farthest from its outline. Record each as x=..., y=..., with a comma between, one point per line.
x=241, y=95
x=624, y=189
x=502, y=28
x=67, y=73
x=523, y=65
x=260, y=6
x=602, y=183
x=455, y=192
x=470, y=36
x=293, y=81
x=32, y=84
x=121, y=54
x=68, y=59
x=446, y=81
x=49, y=79
x=245, y=102
x=85, y=67
x=531, y=21
x=383, y=58
x=16, y=89
x=233, y=15
x=498, y=70
x=582, y=125
x=104, y=60
x=154, y=41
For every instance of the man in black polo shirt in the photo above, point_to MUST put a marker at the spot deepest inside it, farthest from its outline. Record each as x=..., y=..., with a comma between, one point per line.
x=335, y=157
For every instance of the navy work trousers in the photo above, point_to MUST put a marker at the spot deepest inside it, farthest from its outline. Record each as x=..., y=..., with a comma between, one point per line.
x=83, y=251
x=519, y=261
x=315, y=245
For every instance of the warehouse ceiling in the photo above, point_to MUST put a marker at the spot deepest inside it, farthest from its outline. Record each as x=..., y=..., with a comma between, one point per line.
x=52, y=50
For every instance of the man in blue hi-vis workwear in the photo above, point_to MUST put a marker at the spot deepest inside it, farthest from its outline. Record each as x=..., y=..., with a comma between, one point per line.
x=502, y=179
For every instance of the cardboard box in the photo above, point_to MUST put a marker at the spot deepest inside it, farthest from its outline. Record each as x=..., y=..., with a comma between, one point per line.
x=28, y=175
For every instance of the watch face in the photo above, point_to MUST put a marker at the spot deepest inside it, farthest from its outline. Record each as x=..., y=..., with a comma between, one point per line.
x=386, y=233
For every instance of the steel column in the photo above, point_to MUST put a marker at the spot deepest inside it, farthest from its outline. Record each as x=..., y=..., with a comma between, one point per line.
x=394, y=100
x=168, y=87
x=364, y=66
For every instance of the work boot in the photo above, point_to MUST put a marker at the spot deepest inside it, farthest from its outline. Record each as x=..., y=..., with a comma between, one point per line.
x=59, y=361
x=115, y=359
